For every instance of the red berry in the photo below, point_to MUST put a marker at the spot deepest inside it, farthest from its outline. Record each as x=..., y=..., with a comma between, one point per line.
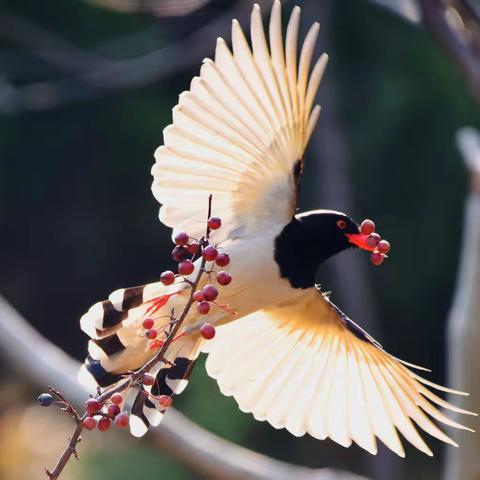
x=223, y=277
x=193, y=248
x=186, y=267
x=92, y=406
x=167, y=278
x=181, y=238
x=180, y=253
x=152, y=334
x=377, y=258
x=148, y=323
x=207, y=330
x=214, y=223
x=104, y=424
x=148, y=379
x=372, y=240
x=367, y=227
x=165, y=401
x=203, y=308
x=117, y=398
x=210, y=253
x=210, y=293
x=383, y=246
x=113, y=410
x=122, y=420
x=89, y=423
x=198, y=296
x=222, y=260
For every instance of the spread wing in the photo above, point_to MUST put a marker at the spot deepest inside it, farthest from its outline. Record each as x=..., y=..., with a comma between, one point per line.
x=308, y=368
x=241, y=130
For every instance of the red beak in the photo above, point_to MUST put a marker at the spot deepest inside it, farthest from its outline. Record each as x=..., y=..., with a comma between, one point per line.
x=360, y=240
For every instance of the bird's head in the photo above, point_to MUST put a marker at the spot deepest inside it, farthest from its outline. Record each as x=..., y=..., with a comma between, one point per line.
x=329, y=230
x=313, y=237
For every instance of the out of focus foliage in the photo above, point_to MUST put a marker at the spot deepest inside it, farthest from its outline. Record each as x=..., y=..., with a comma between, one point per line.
x=78, y=220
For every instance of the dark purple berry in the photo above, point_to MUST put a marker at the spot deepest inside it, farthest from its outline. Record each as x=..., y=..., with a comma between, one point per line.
x=45, y=400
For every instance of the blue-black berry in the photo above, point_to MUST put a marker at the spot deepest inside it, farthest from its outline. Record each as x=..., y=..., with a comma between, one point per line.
x=45, y=400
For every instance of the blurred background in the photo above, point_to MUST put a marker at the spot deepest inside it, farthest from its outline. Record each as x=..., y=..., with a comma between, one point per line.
x=86, y=88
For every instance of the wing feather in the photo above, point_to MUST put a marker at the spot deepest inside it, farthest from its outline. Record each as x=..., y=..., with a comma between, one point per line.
x=303, y=367
x=249, y=112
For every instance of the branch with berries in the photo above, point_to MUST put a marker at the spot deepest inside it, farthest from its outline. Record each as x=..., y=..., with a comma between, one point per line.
x=103, y=409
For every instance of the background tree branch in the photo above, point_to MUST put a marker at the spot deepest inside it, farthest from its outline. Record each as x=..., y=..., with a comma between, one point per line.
x=455, y=25
x=91, y=74
x=464, y=319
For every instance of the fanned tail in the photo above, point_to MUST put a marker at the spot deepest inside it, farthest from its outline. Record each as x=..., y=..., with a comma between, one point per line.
x=118, y=345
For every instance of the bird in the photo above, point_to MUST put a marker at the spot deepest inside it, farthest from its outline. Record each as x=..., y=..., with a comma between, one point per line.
x=285, y=352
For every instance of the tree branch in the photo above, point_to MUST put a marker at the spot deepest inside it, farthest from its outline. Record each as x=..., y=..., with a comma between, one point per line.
x=464, y=318
x=408, y=10
x=94, y=74
x=159, y=8
x=455, y=25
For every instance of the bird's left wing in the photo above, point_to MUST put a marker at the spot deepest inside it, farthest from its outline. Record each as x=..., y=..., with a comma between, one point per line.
x=308, y=368
x=241, y=130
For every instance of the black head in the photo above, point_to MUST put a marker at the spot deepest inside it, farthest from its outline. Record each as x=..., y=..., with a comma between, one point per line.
x=308, y=240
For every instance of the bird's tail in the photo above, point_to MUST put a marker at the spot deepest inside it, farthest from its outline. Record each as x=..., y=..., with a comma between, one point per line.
x=119, y=345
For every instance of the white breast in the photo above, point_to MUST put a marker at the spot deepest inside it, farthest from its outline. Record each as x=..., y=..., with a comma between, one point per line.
x=256, y=277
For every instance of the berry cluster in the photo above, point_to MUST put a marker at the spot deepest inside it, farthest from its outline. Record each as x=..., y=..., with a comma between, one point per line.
x=186, y=251
x=97, y=414
x=101, y=415
x=374, y=241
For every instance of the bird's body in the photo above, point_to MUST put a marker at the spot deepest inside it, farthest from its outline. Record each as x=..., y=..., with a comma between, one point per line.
x=284, y=351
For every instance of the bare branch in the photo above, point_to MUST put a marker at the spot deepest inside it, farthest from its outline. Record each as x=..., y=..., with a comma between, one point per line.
x=159, y=8
x=408, y=10
x=134, y=379
x=93, y=74
x=48, y=46
x=455, y=26
x=464, y=318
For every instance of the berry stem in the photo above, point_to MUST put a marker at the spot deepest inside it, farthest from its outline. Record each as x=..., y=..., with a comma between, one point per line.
x=134, y=378
x=71, y=448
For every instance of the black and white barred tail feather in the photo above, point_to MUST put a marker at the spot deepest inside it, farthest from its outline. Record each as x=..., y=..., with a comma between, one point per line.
x=104, y=318
x=118, y=345
x=146, y=410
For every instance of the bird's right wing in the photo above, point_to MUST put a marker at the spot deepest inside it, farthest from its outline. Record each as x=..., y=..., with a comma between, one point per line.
x=308, y=368
x=240, y=132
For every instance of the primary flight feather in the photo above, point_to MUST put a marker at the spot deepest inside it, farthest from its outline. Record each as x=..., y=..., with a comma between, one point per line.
x=283, y=350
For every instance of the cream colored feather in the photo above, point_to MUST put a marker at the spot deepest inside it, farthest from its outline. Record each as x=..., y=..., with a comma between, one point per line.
x=299, y=367
x=239, y=131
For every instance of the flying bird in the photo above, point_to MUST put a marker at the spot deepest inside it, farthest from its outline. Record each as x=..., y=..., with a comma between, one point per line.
x=282, y=349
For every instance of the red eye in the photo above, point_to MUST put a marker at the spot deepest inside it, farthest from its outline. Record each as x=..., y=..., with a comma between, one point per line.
x=342, y=224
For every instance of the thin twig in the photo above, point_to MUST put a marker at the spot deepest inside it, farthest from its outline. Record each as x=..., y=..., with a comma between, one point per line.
x=134, y=377
x=70, y=450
